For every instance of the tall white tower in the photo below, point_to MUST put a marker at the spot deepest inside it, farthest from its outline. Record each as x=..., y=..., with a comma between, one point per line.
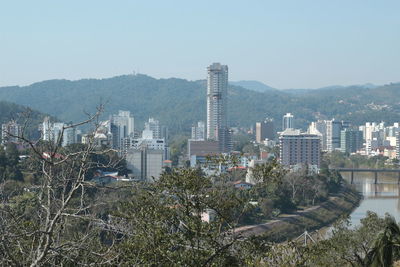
x=217, y=93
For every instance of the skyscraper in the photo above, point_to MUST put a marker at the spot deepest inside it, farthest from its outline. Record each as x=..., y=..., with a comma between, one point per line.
x=287, y=121
x=217, y=94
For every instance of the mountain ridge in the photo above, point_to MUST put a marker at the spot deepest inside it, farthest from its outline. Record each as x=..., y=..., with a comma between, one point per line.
x=179, y=103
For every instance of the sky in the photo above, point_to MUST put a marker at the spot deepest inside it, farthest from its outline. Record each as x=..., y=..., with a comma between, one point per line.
x=285, y=43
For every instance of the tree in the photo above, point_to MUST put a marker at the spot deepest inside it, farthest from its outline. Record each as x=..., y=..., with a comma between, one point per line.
x=386, y=245
x=180, y=220
x=52, y=222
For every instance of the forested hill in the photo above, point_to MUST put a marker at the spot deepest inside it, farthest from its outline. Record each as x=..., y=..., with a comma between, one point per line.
x=32, y=118
x=179, y=103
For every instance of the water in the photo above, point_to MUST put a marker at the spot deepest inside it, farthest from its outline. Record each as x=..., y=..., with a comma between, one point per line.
x=380, y=198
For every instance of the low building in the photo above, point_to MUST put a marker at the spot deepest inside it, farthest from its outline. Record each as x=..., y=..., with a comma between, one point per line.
x=199, y=150
x=146, y=164
x=242, y=185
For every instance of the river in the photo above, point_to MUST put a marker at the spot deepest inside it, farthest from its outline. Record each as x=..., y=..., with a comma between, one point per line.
x=380, y=198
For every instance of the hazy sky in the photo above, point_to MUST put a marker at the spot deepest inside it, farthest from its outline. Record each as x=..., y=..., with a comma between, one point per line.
x=285, y=44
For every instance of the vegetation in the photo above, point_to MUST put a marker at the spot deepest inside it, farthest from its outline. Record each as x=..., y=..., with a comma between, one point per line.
x=342, y=160
x=176, y=102
x=59, y=216
x=32, y=118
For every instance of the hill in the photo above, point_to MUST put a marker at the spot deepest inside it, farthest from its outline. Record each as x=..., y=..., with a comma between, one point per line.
x=254, y=85
x=179, y=103
x=10, y=111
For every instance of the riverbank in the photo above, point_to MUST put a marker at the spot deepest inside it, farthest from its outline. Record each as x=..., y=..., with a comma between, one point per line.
x=290, y=226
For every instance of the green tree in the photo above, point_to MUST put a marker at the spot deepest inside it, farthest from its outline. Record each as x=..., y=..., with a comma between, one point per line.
x=165, y=224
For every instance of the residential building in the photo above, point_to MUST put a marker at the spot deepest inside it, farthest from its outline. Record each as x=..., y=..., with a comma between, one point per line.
x=351, y=140
x=217, y=104
x=10, y=132
x=46, y=129
x=121, y=126
x=319, y=128
x=69, y=136
x=265, y=130
x=154, y=126
x=58, y=132
x=297, y=149
x=199, y=131
x=398, y=145
x=333, y=128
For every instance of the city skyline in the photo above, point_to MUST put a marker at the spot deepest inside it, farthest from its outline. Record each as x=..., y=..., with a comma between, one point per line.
x=288, y=44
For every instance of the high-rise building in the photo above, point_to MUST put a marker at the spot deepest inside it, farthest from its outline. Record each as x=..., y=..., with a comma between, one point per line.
x=350, y=140
x=46, y=129
x=298, y=149
x=58, y=132
x=319, y=128
x=217, y=101
x=57, y=129
x=69, y=137
x=121, y=126
x=154, y=126
x=165, y=133
x=10, y=132
x=265, y=130
x=398, y=145
x=333, y=128
x=287, y=121
x=198, y=131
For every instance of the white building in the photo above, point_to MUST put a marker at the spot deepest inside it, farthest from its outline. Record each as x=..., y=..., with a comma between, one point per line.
x=333, y=129
x=154, y=126
x=121, y=126
x=145, y=156
x=69, y=137
x=217, y=105
x=198, y=131
x=319, y=128
x=145, y=164
x=58, y=132
x=46, y=129
x=10, y=132
x=287, y=122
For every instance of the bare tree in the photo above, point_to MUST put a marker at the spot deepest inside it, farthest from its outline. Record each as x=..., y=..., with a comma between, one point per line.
x=54, y=221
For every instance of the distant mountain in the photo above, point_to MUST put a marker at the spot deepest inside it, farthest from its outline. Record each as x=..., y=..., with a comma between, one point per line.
x=332, y=87
x=254, y=85
x=179, y=103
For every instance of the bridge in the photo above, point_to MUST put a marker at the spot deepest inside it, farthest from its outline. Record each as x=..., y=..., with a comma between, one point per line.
x=375, y=171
